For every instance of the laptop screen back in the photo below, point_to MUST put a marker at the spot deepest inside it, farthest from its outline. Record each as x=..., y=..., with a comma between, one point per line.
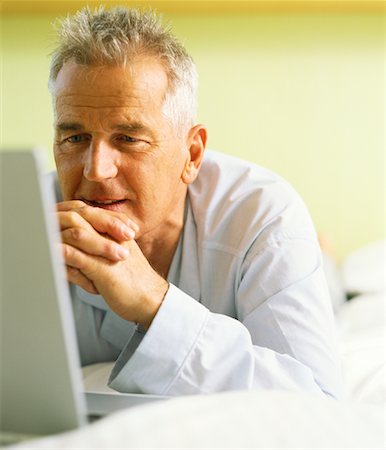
x=40, y=380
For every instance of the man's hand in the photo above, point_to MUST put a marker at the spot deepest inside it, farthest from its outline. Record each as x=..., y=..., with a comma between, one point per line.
x=102, y=257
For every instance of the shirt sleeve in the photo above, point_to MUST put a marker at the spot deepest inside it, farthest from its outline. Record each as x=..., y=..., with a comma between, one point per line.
x=190, y=350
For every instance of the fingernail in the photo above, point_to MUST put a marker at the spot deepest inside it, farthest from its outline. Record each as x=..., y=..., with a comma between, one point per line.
x=122, y=253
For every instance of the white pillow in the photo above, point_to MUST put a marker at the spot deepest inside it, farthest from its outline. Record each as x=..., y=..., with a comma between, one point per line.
x=364, y=314
x=364, y=271
x=361, y=326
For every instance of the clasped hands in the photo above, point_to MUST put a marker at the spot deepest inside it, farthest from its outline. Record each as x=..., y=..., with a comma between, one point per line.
x=102, y=257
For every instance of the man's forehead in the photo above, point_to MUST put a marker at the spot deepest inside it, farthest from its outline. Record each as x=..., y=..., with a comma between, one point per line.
x=142, y=77
x=77, y=113
x=105, y=103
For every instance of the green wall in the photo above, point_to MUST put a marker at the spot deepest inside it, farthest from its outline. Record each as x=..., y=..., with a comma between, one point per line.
x=302, y=94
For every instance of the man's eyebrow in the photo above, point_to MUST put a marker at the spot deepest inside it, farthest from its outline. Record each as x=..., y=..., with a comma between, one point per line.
x=122, y=127
x=135, y=127
x=132, y=127
x=69, y=126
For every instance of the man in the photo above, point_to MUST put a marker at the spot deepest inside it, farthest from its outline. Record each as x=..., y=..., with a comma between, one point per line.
x=193, y=273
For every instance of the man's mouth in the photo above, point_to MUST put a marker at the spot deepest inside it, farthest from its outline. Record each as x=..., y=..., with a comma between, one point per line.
x=106, y=204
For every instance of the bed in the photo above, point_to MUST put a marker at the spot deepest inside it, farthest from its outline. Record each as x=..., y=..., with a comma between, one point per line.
x=272, y=419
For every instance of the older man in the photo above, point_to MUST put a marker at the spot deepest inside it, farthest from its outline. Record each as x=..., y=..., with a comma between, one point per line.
x=193, y=273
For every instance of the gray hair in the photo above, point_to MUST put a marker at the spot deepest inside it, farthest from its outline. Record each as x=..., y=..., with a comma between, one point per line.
x=112, y=37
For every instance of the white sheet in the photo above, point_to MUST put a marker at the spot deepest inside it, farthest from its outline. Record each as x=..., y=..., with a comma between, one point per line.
x=266, y=419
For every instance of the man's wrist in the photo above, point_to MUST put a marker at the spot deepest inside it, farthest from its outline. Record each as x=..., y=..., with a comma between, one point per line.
x=153, y=300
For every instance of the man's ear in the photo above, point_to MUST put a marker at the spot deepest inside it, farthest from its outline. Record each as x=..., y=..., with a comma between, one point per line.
x=196, y=142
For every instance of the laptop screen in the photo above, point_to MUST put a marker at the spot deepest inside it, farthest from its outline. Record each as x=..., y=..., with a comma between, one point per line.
x=41, y=385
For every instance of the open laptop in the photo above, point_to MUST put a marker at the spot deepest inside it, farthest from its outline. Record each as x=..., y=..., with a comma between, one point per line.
x=41, y=388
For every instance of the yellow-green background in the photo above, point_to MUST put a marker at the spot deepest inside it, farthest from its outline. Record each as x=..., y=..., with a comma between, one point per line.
x=300, y=91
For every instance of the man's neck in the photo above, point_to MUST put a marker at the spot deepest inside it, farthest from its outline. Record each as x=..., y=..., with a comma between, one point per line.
x=159, y=246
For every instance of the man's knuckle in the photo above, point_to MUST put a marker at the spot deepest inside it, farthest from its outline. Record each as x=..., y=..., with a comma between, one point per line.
x=116, y=223
x=86, y=209
x=72, y=273
x=73, y=217
x=79, y=204
x=109, y=248
x=77, y=234
x=66, y=251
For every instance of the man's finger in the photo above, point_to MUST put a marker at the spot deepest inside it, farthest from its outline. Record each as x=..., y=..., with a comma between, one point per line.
x=89, y=265
x=70, y=205
x=77, y=259
x=92, y=243
x=72, y=219
x=116, y=225
x=75, y=276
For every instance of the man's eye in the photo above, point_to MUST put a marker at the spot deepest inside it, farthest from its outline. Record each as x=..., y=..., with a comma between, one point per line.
x=127, y=138
x=76, y=139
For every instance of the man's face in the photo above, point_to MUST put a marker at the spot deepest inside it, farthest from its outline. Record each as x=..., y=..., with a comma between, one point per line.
x=113, y=147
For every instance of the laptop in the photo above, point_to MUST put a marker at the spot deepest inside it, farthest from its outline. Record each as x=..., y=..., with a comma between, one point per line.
x=41, y=386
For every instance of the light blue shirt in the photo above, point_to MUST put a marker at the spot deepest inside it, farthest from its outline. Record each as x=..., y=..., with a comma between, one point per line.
x=248, y=305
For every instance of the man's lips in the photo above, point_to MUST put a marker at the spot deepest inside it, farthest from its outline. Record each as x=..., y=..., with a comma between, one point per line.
x=105, y=203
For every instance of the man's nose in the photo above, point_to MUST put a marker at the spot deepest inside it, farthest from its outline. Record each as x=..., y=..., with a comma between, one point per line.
x=100, y=163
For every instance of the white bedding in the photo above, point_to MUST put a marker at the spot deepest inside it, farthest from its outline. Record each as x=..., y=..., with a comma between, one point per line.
x=361, y=323
x=266, y=419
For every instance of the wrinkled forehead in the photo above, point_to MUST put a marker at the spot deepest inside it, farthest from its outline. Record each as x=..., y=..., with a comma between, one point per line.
x=145, y=79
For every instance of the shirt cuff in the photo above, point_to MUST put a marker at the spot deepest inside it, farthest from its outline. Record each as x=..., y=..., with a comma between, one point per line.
x=161, y=353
